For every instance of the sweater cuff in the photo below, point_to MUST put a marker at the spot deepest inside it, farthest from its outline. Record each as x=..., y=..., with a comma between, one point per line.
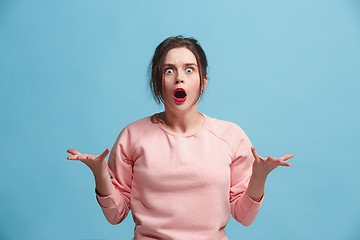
x=250, y=204
x=109, y=201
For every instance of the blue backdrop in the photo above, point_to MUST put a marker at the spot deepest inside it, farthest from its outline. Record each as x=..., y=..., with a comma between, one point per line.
x=74, y=73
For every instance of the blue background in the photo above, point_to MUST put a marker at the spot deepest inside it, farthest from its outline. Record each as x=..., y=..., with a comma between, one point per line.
x=74, y=73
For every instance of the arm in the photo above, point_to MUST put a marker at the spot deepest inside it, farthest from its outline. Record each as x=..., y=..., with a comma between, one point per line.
x=255, y=189
x=243, y=184
x=249, y=174
x=113, y=192
x=99, y=167
x=104, y=186
x=260, y=170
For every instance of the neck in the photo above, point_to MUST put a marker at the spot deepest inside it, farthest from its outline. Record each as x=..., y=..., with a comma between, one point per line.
x=182, y=122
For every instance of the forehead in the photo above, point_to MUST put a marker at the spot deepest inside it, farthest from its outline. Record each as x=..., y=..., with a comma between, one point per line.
x=180, y=55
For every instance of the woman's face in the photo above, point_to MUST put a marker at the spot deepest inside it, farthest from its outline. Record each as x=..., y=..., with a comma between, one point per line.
x=181, y=80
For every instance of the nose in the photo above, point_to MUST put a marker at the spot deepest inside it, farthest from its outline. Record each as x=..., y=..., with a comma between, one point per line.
x=179, y=79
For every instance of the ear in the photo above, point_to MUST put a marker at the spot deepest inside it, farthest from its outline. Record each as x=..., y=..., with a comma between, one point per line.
x=205, y=83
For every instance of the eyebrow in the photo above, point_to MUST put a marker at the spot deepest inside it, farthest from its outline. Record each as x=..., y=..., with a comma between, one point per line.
x=172, y=65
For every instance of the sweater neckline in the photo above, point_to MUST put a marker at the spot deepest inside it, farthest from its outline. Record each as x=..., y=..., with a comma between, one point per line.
x=188, y=134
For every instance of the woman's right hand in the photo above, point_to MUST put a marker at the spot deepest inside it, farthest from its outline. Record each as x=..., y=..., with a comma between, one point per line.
x=97, y=164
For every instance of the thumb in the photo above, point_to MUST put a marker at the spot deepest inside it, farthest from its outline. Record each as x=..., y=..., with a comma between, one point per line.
x=255, y=154
x=105, y=153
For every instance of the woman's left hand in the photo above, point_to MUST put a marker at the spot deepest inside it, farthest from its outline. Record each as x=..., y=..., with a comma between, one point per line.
x=263, y=166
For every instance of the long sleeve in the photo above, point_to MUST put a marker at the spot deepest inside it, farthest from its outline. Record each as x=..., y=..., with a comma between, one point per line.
x=243, y=208
x=180, y=186
x=116, y=206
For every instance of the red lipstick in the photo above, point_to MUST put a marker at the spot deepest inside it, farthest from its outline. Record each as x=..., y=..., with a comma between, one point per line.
x=180, y=95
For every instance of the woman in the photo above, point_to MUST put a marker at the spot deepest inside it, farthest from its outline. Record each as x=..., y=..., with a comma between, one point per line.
x=181, y=172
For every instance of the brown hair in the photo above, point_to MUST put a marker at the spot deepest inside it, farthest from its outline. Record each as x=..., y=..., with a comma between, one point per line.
x=157, y=64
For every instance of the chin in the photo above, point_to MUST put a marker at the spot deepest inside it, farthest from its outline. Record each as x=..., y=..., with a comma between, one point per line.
x=181, y=107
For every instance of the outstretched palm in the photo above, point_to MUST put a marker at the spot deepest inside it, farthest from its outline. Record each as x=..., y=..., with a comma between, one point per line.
x=94, y=162
x=266, y=165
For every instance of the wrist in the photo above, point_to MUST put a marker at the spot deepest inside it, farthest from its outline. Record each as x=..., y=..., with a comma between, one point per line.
x=257, y=197
x=260, y=176
x=255, y=189
x=100, y=173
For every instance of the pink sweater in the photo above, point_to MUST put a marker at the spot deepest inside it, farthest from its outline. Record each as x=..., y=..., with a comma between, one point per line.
x=180, y=186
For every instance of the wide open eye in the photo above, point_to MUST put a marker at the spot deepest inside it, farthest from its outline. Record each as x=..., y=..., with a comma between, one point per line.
x=189, y=70
x=169, y=71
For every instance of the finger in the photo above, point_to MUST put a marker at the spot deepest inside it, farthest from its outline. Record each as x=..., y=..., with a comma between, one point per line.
x=78, y=157
x=105, y=153
x=279, y=162
x=73, y=151
x=256, y=155
x=72, y=157
x=287, y=156
x=285, y=164
x=84, y=157
x=90, y=157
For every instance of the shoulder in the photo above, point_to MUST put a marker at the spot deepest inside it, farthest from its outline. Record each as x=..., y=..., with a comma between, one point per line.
x=134, y=133
x=236, y=138
x=139, y=124
x=146, y=126
x=223, y=129
x=140, y=127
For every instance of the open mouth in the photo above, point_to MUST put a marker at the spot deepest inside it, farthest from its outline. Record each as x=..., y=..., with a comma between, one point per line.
x=180, y=95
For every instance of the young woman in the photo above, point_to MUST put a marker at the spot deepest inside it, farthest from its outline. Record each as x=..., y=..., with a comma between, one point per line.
x=180, y=172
